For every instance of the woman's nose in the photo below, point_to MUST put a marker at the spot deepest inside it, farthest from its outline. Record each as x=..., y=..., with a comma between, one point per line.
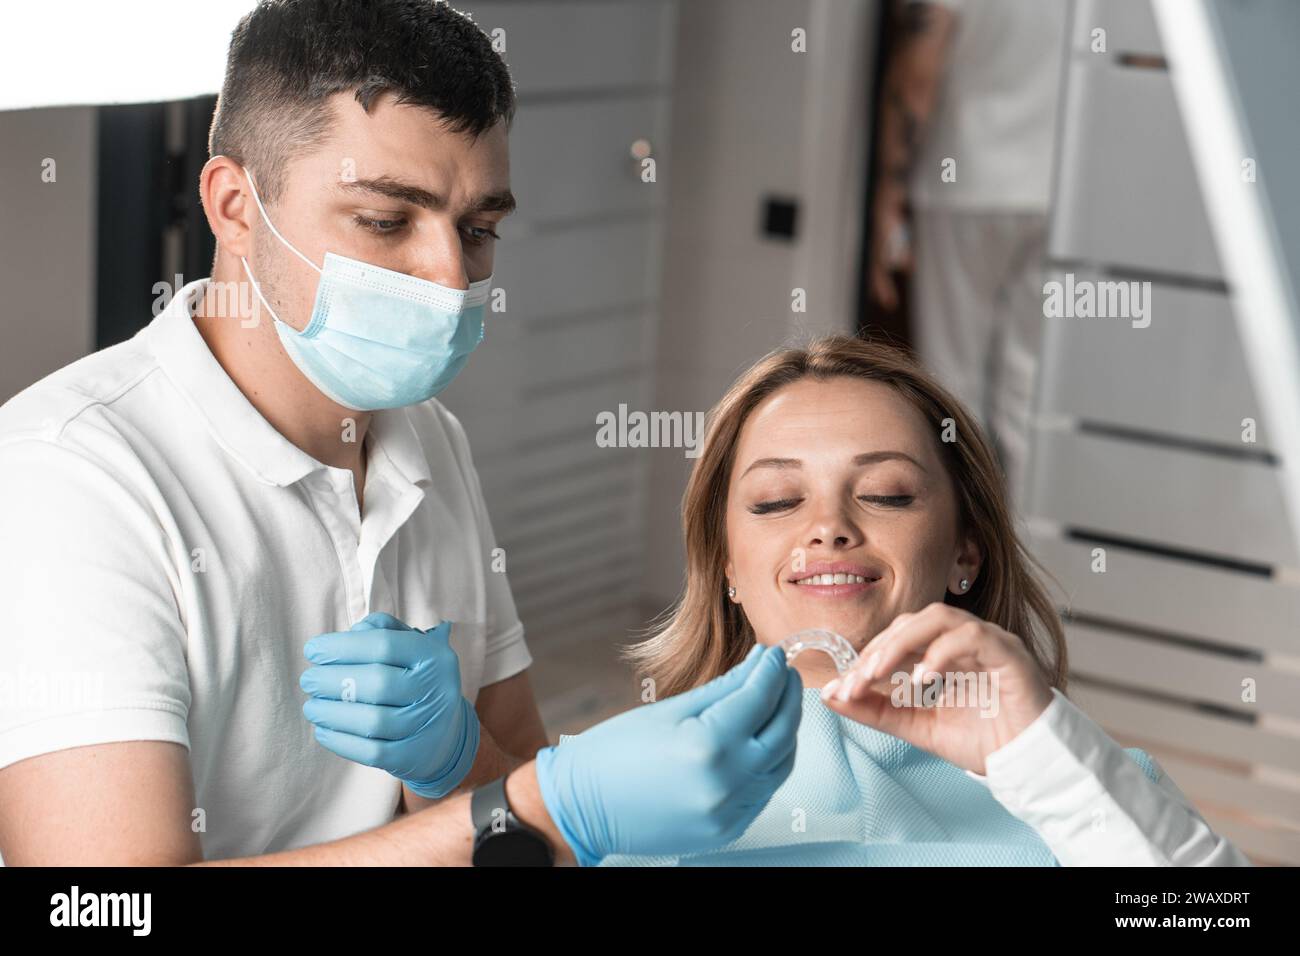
x=833, y=527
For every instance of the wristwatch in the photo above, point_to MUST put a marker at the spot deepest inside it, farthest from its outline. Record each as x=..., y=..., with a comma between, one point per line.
x=501, y=838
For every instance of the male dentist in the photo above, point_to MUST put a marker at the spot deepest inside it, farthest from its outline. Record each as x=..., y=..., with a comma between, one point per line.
x=256, y=511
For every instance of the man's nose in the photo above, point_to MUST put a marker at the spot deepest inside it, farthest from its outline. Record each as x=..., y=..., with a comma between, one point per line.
x=442, y=260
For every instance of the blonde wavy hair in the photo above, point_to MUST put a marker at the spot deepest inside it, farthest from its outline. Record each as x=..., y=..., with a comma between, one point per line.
x=704, y=635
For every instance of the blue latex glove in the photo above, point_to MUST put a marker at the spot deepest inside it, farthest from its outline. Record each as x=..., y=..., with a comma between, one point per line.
x=687, y=774
x=406, y=715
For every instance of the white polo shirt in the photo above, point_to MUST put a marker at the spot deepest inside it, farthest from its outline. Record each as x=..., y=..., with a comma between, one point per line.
x=165, y=553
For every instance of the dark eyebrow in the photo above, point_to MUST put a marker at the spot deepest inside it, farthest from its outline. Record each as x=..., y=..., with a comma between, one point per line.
x=503, y=201
x=773, y=463
x=870, y=458
x=866, y=458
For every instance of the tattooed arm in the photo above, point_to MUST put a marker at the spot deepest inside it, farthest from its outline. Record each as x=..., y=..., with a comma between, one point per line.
x=907, y=97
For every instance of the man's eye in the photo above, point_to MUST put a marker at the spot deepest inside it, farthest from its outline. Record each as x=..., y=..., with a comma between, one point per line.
x=766, y=507
x=380, y=227
x=889, y=501
x=477, y=235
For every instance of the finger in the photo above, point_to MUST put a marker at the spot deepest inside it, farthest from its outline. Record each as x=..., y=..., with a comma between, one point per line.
x=903, y=650
x=360, y=750
x=380, y=620
x=973, y=649
x=777, y=738
x=749, y=707
x=906, y=636
x=860, y=687
x=372, y=721
x=878, y=710
x=776, y=776
x=440, y=632
x=361, y=683
x=696, y=700
x=759, y=792
x=404, y=648
x=874, y=644
x=916, y=642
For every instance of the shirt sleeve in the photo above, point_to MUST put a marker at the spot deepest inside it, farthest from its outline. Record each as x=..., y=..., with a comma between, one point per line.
x=92, y=643
x=1091, y=802
x=506, y=653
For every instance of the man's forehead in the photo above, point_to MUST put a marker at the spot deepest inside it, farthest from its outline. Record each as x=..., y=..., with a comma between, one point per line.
x=407, y=153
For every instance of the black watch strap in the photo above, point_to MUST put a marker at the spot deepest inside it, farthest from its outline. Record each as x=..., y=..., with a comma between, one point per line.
x=501, y=838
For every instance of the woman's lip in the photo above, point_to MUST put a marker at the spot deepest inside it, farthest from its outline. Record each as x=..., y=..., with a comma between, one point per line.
x=835, y=567
x=835, y=590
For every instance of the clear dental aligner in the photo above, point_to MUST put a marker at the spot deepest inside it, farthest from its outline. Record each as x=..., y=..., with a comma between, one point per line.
x=836, y=647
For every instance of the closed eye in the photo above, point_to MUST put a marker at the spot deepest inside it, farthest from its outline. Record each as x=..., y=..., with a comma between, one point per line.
x=380, y=227
x=783, y=504
x=478, y=235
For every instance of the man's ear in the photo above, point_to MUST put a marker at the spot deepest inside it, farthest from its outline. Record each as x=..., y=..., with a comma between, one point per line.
x=228, y=204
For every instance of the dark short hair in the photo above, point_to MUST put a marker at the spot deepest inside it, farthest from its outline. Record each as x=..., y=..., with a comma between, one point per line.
x=287, y=56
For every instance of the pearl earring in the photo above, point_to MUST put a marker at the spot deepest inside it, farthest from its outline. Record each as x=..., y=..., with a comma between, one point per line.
x=964, y=584
x=731, y=593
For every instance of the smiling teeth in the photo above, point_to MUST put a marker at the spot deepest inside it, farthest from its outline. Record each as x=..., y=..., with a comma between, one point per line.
x=824, y=579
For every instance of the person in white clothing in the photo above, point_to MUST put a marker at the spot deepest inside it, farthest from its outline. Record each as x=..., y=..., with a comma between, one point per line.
x=967, y=120
x=253, y=612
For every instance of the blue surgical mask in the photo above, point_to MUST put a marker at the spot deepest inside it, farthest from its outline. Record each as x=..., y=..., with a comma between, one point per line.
x=378, y=338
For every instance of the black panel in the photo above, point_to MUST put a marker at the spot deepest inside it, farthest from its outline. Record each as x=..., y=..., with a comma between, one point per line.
x=132, y=211
x=142, y=191
x=874, y=321
x=199, y=243
x=780, y=217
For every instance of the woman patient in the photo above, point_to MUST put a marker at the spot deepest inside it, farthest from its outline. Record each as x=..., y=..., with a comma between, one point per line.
x=840, y=487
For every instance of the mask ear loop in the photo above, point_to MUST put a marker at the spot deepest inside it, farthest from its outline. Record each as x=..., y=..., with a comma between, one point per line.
x=270, y=225
x=275, y=232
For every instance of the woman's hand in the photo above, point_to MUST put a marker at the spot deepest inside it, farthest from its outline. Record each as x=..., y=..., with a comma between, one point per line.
x=992, y=688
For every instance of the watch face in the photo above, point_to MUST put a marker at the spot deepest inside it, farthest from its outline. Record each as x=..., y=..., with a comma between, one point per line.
x=512, y=848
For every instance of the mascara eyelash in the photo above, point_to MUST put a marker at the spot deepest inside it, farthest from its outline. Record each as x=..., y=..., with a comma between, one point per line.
x=892, y=501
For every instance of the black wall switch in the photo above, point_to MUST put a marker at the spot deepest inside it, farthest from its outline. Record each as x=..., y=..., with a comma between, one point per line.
x=780, y=217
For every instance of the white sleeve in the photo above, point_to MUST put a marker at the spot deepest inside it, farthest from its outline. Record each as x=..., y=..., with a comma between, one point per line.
x=1091, y=802
x=92, y=646
x=505, y=653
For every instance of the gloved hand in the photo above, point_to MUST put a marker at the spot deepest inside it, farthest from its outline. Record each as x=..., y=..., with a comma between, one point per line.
x=683, y=775
x=406, y=713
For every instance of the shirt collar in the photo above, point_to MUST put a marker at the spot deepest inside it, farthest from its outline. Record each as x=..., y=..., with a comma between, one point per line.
x=395, y=436
x=237, y=426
